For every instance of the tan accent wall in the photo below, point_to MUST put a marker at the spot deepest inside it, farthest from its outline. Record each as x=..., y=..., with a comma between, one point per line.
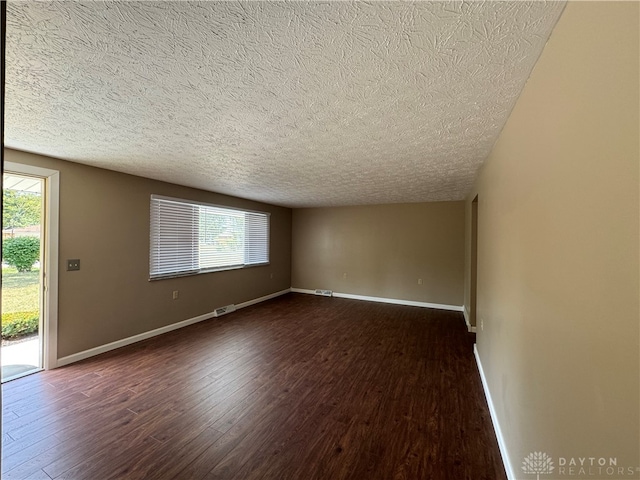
x=104, y=221
x=383, y=250
x=558, y=240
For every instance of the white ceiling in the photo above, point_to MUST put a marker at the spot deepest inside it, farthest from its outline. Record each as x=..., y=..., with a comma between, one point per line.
x=292, y=103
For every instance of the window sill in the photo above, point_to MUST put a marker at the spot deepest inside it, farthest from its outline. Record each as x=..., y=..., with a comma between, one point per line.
x=206, y=270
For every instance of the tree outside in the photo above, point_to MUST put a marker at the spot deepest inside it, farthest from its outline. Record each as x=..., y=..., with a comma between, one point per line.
x=20, y=209
x=21, y=252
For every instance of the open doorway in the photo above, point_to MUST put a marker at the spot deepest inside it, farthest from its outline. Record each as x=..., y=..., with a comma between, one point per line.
x=474, y=265
x=47, y=265
x=22, y=275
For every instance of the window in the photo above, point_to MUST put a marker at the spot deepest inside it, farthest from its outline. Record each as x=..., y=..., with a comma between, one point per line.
x=190, y=237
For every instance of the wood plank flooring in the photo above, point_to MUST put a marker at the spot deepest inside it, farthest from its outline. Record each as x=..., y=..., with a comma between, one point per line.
x=300, y=387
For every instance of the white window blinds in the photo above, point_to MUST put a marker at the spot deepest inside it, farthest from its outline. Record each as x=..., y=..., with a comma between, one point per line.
x=189, y=237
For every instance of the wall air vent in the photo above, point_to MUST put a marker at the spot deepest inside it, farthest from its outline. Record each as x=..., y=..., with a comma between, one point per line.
x=324, y=293
x=218, y=312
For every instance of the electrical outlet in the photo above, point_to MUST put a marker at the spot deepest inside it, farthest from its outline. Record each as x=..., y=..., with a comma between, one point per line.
x=419, y=281
x=344, y=275
x=481, y=324
x=175, y=294
x=73, y=264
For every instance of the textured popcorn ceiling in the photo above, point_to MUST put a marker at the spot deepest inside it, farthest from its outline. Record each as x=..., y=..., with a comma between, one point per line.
x=297, y=104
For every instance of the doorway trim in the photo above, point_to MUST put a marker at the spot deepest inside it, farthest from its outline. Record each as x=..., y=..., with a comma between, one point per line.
x=51, y=235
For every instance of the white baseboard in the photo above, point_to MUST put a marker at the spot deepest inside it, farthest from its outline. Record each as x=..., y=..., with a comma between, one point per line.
x=494, y=419
x=76, y=357
x=471, y=328
x=303, y=290
x=262, y=299
x=394, y=301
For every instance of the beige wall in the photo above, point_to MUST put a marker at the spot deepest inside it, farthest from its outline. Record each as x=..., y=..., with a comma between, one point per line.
x=558, y=264
x=383, y=249
x=104, y=221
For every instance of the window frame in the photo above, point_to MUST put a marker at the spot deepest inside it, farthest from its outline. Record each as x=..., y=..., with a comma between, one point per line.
x=196, y=235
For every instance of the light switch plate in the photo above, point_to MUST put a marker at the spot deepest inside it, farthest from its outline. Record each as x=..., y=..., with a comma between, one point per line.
x=73, y=264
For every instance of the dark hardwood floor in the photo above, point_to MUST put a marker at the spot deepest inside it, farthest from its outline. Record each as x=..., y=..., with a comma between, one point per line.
x=300, y=387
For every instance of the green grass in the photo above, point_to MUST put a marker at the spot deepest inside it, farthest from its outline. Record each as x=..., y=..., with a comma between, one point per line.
x=20, y=302
x=12, y=279
x=20, y=291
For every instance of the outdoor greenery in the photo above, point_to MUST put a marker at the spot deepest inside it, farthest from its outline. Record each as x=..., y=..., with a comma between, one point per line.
x=20, y=209
x=20, y=302
x=20, y=291
x=21, y=252
x=20, y=284
x=19, y=323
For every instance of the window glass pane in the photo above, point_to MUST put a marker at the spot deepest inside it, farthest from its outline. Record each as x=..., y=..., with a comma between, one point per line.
x=221, y=237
